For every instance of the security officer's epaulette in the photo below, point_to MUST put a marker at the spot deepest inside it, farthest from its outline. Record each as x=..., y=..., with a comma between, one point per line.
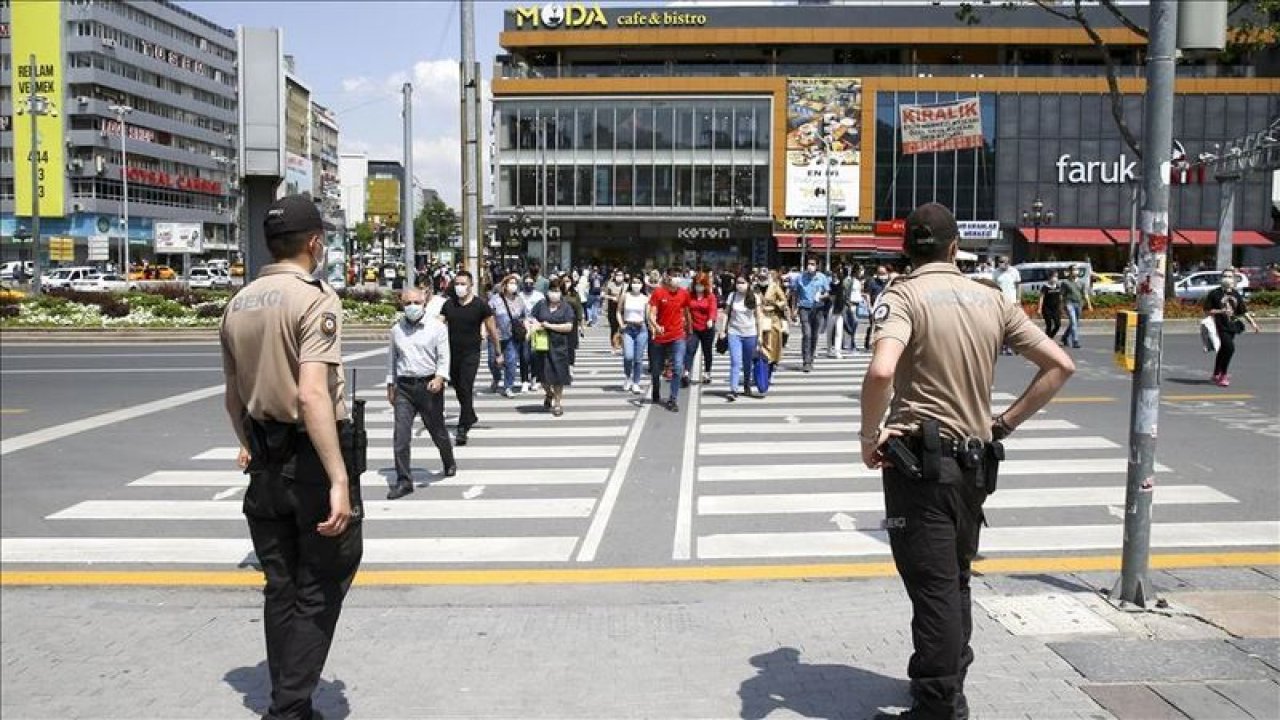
x=987, y=282
x=313, y=281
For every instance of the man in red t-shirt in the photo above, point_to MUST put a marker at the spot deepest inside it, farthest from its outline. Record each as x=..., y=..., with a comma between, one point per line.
x=669, y=324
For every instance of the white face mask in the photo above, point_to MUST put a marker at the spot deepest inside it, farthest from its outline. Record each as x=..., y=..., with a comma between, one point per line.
x=413, y=312
x=742, y=287
x=553, y=297
x=511, y=288
x=635, y=287
x=460, y=289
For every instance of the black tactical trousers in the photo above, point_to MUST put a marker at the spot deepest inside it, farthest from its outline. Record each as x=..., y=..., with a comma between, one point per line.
x=933, y=531
x=307, y=576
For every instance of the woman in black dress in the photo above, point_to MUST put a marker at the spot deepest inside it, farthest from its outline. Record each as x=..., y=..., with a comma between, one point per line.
x=1051, y=304
x=557, y=318
x=1226, y=306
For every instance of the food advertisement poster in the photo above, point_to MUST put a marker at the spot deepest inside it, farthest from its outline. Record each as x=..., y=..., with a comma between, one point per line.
x=824, y=118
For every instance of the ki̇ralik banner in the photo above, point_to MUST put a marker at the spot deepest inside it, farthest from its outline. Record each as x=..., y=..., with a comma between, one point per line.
x=822, y=114
x=938, y=128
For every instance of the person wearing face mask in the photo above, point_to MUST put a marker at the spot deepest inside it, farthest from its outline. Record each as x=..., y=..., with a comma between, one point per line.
x=417, y=371
x=532, y=298
x=1225, y=304
x=613, y=291
x=669, y=323
x=465, y=315
x=774, y=304
x=510, y=314
x=1050, y=306
x=1074, y=295
x=702, y=314
x=281, y=339
x=594, y=294
x=557, y=318
x=809, y=294
x=635, y=334
x=743, y=326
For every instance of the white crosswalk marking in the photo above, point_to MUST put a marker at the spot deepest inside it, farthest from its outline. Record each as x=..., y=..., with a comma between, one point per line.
x=773, y=474
x=534, y=479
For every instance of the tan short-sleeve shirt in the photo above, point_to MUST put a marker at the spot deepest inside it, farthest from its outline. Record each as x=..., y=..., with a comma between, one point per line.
x=277, y=322
x=952, y=328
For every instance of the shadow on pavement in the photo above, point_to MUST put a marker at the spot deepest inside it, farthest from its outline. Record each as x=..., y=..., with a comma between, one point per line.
x=255, y=685
x=782, y=682
x=1189, y=381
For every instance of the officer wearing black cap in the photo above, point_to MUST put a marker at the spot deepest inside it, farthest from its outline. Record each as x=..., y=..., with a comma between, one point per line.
x=282, y=358
x=937, y=336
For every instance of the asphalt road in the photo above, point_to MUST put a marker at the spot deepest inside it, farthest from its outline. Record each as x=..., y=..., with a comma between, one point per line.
x=615, y=483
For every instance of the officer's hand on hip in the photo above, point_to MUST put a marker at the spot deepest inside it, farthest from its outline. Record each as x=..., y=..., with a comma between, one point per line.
x=871, y=455
x=339, y=510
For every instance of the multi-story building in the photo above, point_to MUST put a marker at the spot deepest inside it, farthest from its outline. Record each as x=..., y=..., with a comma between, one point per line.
x=298, y=176
x=325, y=186
x=728, y=134
x=353, y=174
x=165, y=74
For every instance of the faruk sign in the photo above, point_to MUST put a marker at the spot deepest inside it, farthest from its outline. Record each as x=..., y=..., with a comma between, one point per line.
x=557, y=15
x=1073, y=172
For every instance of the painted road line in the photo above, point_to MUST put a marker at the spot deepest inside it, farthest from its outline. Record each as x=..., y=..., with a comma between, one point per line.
x=551, y=430
x=1061, y=538
x=855, y=470
x=825, y=447
x=534, y=402
x=570, y=418
x=1179, y=398
x=112, y=370
x=771, y=504
x=826, y=425
x=465, y=477
x=609, y=498
x=749, y=408
x=682, y=542
x=214, y=354
x=211, y=551
x=411, y=509
x=469, y=452
x=57, y=432
x=12, y=411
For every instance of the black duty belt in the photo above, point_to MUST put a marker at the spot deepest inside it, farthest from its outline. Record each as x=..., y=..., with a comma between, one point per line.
x=948, y=446
x=411, y=379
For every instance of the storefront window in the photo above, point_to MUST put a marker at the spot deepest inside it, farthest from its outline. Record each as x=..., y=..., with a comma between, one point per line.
x=744, y=127
x=662, y=186
x=684, y=127
x=684, y=186
x=507, y=128
x=644, y=186
x=582, y=194
x=564, y=129
x=644, y=127
x=604, y=186
x=625, y=124
x=722, y=134
x=586, y=124
x=663, y=127
x=623, y=186
x=564, y=185
x=704, y=129
x=604, y=128
x=527, y=190
x=703, y=186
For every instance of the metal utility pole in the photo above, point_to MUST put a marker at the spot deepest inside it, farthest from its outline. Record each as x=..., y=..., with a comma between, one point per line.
x=407, y=216
x=121, y=111
x=1157, y=140
x=831, y=231
x=542, y=134
x=36, y=106
x=470, y=79
x=803, y=226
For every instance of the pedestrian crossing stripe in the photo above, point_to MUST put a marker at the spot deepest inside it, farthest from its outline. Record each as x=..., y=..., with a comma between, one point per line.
x=379, y=510
x=856, y=470
x=826, y=425
x=466, y=477
x=527, y=430
x=239, y=551
x=823, y=447
x=1050, y=497
x=1024, y=539
x=752, y=408
x=572, y=417
x=468, y=452
x=527, y=400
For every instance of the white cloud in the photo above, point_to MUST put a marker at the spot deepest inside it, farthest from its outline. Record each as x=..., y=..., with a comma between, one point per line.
x=376, y=128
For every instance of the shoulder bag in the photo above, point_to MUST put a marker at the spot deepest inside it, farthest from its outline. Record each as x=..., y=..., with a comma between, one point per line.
x=518, y=331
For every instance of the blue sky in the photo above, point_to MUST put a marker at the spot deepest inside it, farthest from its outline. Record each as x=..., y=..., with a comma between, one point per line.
x=356, y=55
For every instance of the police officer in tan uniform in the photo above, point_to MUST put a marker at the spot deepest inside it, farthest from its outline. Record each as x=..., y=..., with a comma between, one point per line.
x=282, y=357
x=937, y=337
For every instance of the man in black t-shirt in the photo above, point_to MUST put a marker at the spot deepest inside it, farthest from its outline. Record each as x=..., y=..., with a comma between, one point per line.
x=465, y=314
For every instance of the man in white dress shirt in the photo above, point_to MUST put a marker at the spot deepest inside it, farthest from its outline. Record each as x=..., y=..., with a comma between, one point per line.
x=417, y=370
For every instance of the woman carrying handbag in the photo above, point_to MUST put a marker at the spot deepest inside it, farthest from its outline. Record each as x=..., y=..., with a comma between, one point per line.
x=742, y=330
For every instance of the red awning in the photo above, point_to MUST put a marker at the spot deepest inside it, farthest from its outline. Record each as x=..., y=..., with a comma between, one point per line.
x=844, y=243
x=1068, y=236
x=1242, y=238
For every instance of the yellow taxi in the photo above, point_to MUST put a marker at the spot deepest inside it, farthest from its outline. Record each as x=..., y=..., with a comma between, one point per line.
x=153, y=272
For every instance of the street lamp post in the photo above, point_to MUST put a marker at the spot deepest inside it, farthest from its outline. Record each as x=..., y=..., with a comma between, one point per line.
x=121, y=111
x=803, y=226
x=1037, y=216
x=546, y=241
x=520, y=228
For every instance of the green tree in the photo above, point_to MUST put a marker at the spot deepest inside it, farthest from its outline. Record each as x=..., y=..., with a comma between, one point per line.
x=435, y=225
x=364, y=236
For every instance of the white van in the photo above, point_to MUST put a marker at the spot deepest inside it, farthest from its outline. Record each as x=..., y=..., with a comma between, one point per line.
x=62, y=278
x=17, y=270
x=1035, y=274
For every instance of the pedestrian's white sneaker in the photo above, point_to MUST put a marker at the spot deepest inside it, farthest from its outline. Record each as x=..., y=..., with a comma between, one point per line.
x=524, y=387
x=636, y=389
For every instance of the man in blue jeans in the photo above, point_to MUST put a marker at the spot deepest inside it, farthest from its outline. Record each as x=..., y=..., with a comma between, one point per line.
x=669, y=324
x=1076, y=295
x=809, y=293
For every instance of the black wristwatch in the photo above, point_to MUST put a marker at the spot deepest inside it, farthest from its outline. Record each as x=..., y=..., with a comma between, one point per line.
x=1000, y=429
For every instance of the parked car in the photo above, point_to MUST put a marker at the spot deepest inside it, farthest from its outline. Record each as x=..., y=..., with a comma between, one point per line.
x=208, y=278
x=1035, y=274
x=1262, y=278
x=1199, y=284
x=1107, y=284
x=103, y=282
x=17, y=270
x=62, y=278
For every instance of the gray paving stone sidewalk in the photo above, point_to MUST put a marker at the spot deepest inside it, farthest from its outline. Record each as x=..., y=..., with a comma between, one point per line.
x=834, y=649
